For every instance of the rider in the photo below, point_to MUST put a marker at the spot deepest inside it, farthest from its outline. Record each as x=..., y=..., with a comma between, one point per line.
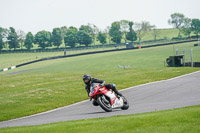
x=88, y=80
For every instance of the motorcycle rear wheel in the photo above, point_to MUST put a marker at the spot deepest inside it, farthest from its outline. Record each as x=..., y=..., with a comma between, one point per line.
x=105, y=106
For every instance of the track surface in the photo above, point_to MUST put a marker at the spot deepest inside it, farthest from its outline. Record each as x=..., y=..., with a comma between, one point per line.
x=167, y=94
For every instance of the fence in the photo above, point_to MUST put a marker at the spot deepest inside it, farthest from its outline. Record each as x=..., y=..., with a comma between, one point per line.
x=123, y=45
x=80, y=48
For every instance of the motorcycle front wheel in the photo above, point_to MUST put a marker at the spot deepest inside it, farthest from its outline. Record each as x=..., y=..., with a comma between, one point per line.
x=104, y=104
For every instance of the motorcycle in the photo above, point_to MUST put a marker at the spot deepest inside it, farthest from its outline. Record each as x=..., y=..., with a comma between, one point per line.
x=107, y=98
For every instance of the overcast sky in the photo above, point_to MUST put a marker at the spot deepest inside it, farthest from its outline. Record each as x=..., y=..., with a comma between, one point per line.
x=37, y=15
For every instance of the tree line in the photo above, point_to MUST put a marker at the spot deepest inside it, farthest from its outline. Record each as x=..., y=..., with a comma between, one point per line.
x=86, y=35
x=184, y=24
x=72, y=36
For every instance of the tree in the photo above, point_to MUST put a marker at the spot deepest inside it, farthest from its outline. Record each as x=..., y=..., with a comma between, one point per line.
x=177, y=20
x=86, y=28
x=56, y=37
x=95, y=31
x=115, y=33
x=28, y=43
x=142, y=29
x=63, y=31
x=91, y=29
x=102, y=37
x=107, y=34
x=13, y=39
x=124, y=28
x=195, y=26
x=70, y=37
x=43, y=38
x=155, y=33
x=21, y=37
x=1, y=43
x=186, y=28
x=1, y=38
x=4, y=36
x=83, y=38
x=131, y=35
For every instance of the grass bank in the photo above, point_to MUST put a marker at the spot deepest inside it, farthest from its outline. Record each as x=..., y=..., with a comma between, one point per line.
x=182, y=120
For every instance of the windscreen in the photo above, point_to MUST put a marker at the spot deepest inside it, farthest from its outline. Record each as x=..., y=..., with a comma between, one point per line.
x=93, y=85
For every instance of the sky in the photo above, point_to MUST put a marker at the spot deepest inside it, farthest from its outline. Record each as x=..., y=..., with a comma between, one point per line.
x=37, y=15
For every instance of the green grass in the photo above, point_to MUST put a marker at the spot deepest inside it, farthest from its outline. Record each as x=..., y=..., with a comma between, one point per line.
x=182, y=120
x=163, y=34
x=57, y=83
x=8, y=60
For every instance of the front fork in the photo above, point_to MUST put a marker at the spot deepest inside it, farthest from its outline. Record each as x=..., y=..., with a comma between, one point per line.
x=103, y=98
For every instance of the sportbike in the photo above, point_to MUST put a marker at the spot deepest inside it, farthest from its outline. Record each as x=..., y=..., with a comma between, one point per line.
x=106, y=98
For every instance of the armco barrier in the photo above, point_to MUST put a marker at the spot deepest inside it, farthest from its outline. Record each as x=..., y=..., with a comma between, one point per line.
x=9, y=68
x=57, y=57
x=96, y=52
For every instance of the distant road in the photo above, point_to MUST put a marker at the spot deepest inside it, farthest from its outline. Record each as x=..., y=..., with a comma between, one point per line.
x=177, y=92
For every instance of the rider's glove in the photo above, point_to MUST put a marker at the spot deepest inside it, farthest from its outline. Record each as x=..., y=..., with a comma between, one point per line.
x=102, y=85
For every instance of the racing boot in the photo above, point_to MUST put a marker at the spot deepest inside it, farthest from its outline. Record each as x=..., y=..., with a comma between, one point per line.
x=116, y=91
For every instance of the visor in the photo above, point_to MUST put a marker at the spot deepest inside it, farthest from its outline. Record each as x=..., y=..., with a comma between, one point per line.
x=86, y=81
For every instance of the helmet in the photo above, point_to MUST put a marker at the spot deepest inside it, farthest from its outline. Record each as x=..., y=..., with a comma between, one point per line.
x=86, y=78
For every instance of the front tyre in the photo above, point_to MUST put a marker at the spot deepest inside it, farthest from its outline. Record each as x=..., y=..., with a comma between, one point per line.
x=104, y=104
x=126, y=104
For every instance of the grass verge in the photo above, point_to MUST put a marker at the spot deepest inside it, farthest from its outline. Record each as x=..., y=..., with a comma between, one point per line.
x=181, y=120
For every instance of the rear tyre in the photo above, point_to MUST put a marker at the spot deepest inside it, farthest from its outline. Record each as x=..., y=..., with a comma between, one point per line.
x=104, y=104
x=126, y=104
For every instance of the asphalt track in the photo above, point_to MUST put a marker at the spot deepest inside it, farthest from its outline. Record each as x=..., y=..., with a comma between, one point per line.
x=173, y=93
